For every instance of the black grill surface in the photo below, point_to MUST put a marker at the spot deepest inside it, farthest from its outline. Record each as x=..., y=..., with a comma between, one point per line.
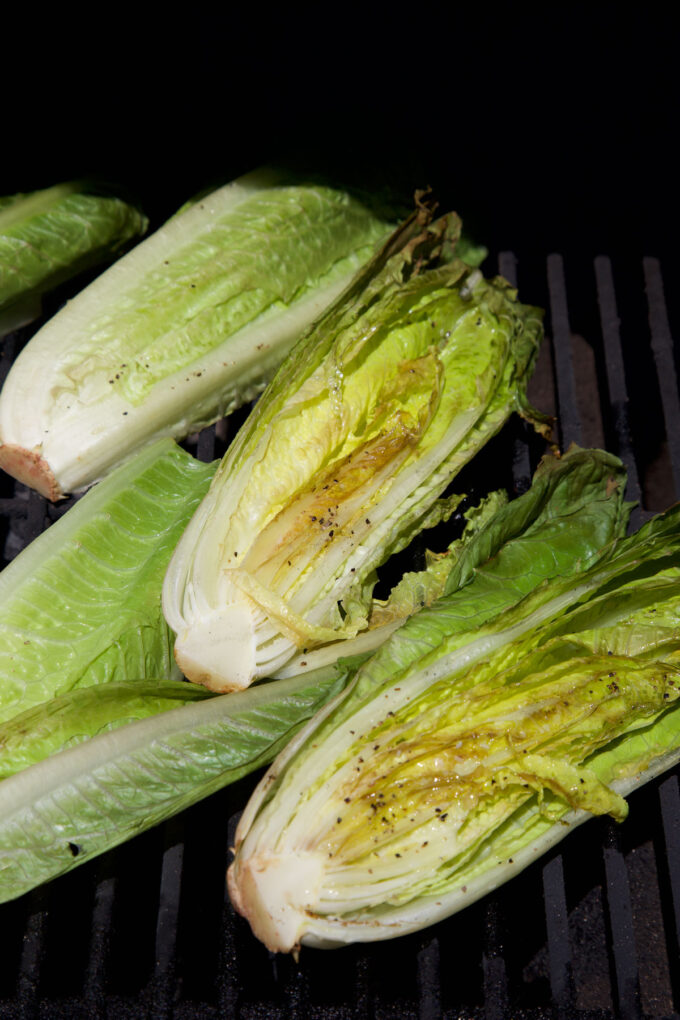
x=590, y=931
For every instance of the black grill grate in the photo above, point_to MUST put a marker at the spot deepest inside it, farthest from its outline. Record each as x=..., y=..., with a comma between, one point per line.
x=591, y=931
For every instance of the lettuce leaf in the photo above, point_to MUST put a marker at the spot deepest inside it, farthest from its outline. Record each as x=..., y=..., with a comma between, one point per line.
x=72, y=806
x=48, y=236
x=81, y=606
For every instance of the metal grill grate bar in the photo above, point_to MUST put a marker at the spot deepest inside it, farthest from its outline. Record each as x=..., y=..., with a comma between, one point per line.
x=94, y=988
x=619, y=407
x=429, y=981
x=669, y=800
x=493, y=964
x=622, y=933
x=28, y=990
x=662, y=347
x=165, y=978
x=557, y=929
x=569, y=423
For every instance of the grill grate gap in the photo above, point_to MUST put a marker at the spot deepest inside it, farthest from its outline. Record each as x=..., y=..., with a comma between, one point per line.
x=648, y=923
x=227, y=986
x=590, y=959
x=668, y=865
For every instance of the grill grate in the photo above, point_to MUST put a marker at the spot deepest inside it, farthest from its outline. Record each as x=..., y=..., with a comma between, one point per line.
x=591, y=931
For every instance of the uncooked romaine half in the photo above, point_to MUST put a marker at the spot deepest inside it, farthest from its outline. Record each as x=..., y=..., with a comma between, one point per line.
x=183, y=329
x=344, y=458
x=470, y=742
x=48, y=236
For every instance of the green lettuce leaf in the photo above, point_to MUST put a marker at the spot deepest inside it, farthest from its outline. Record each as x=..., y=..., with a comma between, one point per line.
x=80, y=714
x=50, y=235
x=80, y=606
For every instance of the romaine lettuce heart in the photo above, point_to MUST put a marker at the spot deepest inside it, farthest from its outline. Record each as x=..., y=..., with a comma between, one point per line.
x=345, y=457
x=462, y=750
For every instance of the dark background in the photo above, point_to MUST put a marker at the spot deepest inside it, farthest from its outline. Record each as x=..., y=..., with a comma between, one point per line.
x=549, y=127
